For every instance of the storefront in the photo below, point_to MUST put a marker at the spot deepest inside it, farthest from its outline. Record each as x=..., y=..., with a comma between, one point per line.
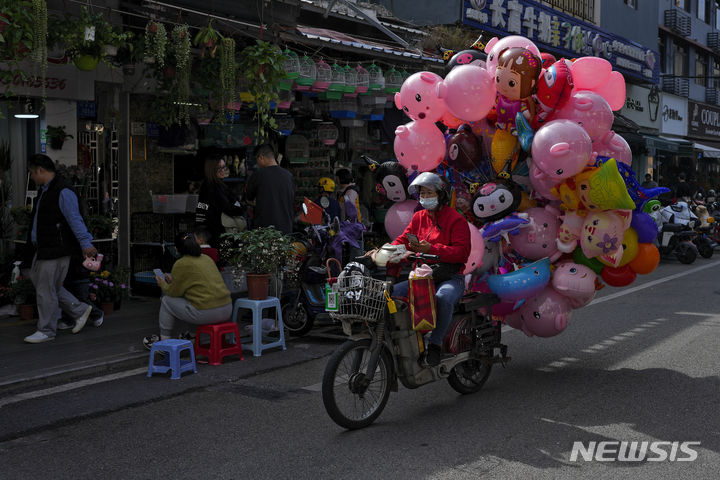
x=703, y=125
x=642, y=112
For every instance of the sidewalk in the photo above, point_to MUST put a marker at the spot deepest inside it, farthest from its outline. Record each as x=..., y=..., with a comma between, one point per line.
x=116, y=344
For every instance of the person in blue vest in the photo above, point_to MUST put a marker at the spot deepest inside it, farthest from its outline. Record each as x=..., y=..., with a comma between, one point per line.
x=56, y=233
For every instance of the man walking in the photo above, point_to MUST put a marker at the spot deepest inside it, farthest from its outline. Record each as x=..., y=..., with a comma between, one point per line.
x=272, y=189
x=57, y=232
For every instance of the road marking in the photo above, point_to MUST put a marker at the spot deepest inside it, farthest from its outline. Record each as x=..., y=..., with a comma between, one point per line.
x=316, y=387
x=628, y=291
x=69, y=386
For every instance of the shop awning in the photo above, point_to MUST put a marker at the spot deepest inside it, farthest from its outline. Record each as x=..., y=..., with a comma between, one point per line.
x=669, y=144
x=708, y=151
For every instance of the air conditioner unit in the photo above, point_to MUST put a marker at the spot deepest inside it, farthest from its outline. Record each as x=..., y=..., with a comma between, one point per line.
x=713, y=41
x=678, y=22
x=676, y=86
x=711, y=96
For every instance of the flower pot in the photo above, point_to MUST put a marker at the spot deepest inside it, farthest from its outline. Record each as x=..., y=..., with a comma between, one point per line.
x=128, y=69
x=107, y=308
x=86, y=63
x=258, y=286
x=27, y=312
x=117, y=304
x=110, y=50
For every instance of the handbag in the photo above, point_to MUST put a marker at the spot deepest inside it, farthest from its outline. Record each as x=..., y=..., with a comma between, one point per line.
x=233, y=224
x=423, y=313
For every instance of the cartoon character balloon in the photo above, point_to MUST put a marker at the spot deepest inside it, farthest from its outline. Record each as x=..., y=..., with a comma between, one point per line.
x=546, y=314
x=495, y=47
x=391, y=178
x=516, y=76
x=477, y=250
x=575, y=282
x=561, y=149
x=468, y=91
x=418, y=97
x=398, y=217
x=495, y=200
x=419, y=146
x=589, y=110
x=464, y=151
x=553, y=91
x=614, y=146
x=603, y=233
x=538, y=240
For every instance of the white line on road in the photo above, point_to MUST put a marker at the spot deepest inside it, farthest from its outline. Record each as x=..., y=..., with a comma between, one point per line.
x=69, y=386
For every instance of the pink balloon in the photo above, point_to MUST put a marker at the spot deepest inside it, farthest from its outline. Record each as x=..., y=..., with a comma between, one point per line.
x=477, y=250
x=590, y=72
x=468, y=91
x=515, y=321
x=538, y=240
x=589, y=110
x=419, y=146
x=398, y=217
x=561, y=149
x=541, y=183
x=575, y=282
x=495, y=47
x=546, y=314
x=613, y=91
x=614, y=146
x=418, y=97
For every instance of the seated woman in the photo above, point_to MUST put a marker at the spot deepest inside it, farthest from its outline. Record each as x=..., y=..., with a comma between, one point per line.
x=442, y=231
x=194, y=292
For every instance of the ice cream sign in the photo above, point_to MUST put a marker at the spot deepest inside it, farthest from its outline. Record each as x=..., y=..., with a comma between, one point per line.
x=561, y=35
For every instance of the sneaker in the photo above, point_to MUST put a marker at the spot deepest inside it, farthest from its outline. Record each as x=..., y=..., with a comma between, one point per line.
x=149, y=340
x=81, y=320
x=38, y=337
x=99, y=321
x=431, y=357
x=63, y=325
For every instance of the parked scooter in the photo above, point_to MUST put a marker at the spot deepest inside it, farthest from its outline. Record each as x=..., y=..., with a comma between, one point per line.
x=676, y=224
x=703, y=241
x=384, y=349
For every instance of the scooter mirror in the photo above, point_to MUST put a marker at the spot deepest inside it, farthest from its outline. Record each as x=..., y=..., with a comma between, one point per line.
x=304, y=208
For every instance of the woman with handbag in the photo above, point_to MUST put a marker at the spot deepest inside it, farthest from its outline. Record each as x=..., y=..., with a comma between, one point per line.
x=217, y=205
x=439, y=230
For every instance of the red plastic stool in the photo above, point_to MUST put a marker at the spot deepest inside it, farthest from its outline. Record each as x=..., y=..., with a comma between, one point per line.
x=219, y=345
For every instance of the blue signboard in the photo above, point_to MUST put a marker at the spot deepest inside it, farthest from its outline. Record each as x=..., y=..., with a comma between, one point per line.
x=562, y=35
x=86, y=109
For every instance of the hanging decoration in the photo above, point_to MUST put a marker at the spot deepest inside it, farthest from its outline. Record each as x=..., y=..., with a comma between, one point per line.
x=350, y=81
x=363, y=79
x=207, y=39
x=291, y=65
x=40, y=33
x=156, y=42
x=181, y=43
x=228, y=67
x=308, y=74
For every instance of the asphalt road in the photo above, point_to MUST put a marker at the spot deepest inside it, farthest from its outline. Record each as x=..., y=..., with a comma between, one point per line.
x=639, y=364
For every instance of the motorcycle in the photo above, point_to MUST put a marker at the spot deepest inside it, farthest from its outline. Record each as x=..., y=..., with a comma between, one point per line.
x=383, y=348
x=676, y=233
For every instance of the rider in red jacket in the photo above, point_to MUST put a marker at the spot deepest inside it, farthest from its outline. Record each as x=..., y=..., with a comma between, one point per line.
x=442, y=231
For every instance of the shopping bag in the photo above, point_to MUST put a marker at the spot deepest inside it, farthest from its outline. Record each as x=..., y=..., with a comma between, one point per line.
x=422, y=303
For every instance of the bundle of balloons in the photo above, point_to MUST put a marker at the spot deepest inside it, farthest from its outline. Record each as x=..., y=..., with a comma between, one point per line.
x=525, y=142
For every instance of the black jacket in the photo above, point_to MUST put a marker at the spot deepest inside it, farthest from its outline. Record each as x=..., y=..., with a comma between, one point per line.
x=55, y=239
x=213, y=201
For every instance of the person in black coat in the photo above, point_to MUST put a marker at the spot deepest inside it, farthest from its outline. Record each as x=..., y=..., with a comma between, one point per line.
x=215, y=199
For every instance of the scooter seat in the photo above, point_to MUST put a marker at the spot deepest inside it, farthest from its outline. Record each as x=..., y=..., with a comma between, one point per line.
x=674, y=227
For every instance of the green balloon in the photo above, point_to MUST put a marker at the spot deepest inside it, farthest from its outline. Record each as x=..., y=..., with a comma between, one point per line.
x=593, y=263
x=651, y=206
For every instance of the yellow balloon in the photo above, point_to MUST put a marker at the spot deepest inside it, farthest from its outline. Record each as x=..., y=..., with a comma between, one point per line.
x=504, y=151
x=630, y=248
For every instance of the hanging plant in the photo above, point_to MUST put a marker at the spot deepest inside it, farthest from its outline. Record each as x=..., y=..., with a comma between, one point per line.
x=228, y=68
x=181, y=43
x=262, y=67
x=40, y=35
x=155, y=42
x=207, y=39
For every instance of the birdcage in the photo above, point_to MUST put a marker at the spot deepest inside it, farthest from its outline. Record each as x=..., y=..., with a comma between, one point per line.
x=350, y=81
x=308, y=74
x=393, y=81
x=285, y=98
x=363, y=79
x=322, y=77
x=377, y=80
x=328, y=133
x=337, y=82
x=297, y=148
x=405, y=74
x=339, y=110
x=286, y=125
x=291, y=64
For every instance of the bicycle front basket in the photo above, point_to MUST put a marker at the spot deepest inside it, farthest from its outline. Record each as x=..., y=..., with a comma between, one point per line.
x=360, y=298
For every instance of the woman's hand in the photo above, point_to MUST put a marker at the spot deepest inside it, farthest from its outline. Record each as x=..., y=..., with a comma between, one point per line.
x=421, y=247
x=168, y=278
x=370, y=253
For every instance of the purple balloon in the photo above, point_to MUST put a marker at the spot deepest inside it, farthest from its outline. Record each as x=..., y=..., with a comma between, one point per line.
x=398, y=217
x=645, y=227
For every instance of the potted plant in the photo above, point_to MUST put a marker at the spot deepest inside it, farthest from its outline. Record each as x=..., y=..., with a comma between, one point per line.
x=104, y=291
x=21, y=215
x=207, y=39
x=24, y=297
x=57, y=136
x=120, y=276
x=262, y=67
x=228, y=69
x=100, y=226
x=181, y=48
x=155, y=43
x=259, y=253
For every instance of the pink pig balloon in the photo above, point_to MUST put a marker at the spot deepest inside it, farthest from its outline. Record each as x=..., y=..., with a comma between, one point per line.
x=398, y=217
x=561, y=149
x=546, y=314
x=538, y=240
x=614, y=146
x=541, y=183
x=495, y=47
x=418, y=97
x=575, y=282
x=515, y=321
x=589, y=110
x=468, y=91
x=419, y=146
x=477, y=250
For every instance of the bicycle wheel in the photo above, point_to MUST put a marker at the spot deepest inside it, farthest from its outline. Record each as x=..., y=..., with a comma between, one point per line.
x=347, y=400
x=469, y=377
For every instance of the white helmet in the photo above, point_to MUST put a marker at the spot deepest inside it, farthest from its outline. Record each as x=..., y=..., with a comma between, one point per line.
x=429, y=180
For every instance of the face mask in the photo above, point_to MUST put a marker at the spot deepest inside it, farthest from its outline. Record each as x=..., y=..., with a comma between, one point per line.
x=429, y=203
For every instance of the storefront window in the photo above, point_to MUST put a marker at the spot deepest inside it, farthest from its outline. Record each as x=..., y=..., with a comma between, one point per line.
x=700, y=68
x=662, y=46
x=703, y=10
x=716, y=74
x=717, y=13
x=684, y=4
x=680, y=62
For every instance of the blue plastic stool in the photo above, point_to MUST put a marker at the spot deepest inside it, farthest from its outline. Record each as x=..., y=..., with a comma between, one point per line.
x=172, y=347
x=257, y=307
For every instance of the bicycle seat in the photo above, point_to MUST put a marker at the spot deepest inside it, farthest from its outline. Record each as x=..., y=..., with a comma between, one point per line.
x=673, y=227
x=474, y=300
